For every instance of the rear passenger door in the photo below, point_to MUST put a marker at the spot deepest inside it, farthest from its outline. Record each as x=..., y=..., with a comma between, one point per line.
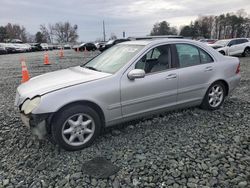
x=196, y=68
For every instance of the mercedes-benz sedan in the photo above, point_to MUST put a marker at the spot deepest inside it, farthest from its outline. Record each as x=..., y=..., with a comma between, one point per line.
x=128, y=81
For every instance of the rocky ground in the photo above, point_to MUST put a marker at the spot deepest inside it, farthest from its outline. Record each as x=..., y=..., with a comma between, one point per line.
x=186, y=148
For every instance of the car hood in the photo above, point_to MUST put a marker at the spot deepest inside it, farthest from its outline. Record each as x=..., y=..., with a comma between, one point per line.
x=48, y=82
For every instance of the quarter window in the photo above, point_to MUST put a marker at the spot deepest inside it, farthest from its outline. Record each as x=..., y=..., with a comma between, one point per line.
x=190, y=55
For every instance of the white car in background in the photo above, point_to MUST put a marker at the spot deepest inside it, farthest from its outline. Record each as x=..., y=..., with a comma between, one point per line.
x=44, y=46
x=22, y=47
x=237, y=46
x=19, y=47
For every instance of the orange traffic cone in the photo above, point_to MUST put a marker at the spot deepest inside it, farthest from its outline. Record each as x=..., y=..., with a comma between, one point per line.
x=61, y=53
x=25, y=72
x=46, y=59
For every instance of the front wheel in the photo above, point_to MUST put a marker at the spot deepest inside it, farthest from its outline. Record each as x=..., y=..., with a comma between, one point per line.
x=214, y=97
x=222, y=52
x=246, y=52
x=76, y=127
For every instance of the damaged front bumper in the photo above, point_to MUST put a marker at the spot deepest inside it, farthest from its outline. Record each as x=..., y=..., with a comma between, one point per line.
x=37, y=123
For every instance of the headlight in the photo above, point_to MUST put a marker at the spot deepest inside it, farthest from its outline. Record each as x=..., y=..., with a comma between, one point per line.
x=30, y=105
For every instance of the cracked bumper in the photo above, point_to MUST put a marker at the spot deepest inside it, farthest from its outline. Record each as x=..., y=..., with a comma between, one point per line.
x=37, y=123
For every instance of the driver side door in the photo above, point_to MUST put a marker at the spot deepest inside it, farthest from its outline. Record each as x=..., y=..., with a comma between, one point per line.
x=157, y=90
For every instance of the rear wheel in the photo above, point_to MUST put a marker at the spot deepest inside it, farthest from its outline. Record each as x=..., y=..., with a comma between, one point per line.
x=246, y=52
x=76, y=127
x=214, y=97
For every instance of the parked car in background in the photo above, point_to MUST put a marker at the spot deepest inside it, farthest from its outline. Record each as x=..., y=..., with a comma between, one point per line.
x=16, y=41
x=89, y=47
x=97, y=44
x=237, y=46
x=111, y=43
x=208, y=41
x=2, y=49
x=28, y=47
x=20, y=47
x=44, y=46
x=50, y=47
x=66, y=47
x=9, y=47
x=36, y=47
x=128, y=81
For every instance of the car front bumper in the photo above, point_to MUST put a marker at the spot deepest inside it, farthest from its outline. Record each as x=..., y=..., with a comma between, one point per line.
x=37, y=123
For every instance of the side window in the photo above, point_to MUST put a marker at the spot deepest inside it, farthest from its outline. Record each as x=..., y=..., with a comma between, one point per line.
x=188, y=55
x=245, y=40
x=156, y=60
x=156, y=53
x=205, y=58
x=241, y=41
x=232, y=42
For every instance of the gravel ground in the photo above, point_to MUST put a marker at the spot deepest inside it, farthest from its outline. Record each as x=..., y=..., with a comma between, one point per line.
x=186, y=148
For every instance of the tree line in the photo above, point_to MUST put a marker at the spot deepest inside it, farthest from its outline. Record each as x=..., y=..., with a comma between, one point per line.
x=229, y=25
x=60, y=32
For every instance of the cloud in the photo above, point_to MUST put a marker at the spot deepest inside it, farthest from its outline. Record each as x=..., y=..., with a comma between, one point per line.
x=134, y=17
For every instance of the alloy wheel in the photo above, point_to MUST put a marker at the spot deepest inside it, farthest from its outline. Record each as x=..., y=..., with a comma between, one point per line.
x=78, y=129
x=215, y=96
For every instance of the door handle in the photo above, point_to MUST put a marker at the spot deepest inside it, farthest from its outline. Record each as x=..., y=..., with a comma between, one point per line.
x=171, y=76
x=208, y=69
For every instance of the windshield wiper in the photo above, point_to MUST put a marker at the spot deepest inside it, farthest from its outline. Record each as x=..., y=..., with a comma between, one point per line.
x=92, y=68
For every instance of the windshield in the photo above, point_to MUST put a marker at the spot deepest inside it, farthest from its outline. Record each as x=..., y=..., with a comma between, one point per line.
x=113, y=59
x=222, y=42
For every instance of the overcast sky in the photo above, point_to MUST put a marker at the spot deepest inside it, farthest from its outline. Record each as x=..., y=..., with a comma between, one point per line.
x=136, y=17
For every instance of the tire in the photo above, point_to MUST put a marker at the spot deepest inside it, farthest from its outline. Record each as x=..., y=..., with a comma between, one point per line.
x=76, y=127
x=222, y=52
x=213, y=99
x=246, y=52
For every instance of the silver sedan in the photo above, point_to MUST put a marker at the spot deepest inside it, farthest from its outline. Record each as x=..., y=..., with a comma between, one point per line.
x=128, y=81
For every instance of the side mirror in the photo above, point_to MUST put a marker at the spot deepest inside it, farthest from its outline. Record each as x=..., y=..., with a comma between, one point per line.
x=136, y=73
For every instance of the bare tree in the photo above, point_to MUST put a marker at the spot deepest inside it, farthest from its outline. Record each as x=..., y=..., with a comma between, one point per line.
x=15, y=31
x=223, y=26
x=163, y=28
x=30, y=37
x=47, y=33
x=65, y=32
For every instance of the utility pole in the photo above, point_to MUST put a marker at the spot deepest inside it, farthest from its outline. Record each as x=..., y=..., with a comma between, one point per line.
x=104, y=34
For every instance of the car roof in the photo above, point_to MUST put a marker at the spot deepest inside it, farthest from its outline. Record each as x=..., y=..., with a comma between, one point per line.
x=154, y=41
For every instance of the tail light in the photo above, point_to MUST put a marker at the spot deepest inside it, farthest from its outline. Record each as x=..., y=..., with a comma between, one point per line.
x=238, y=69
